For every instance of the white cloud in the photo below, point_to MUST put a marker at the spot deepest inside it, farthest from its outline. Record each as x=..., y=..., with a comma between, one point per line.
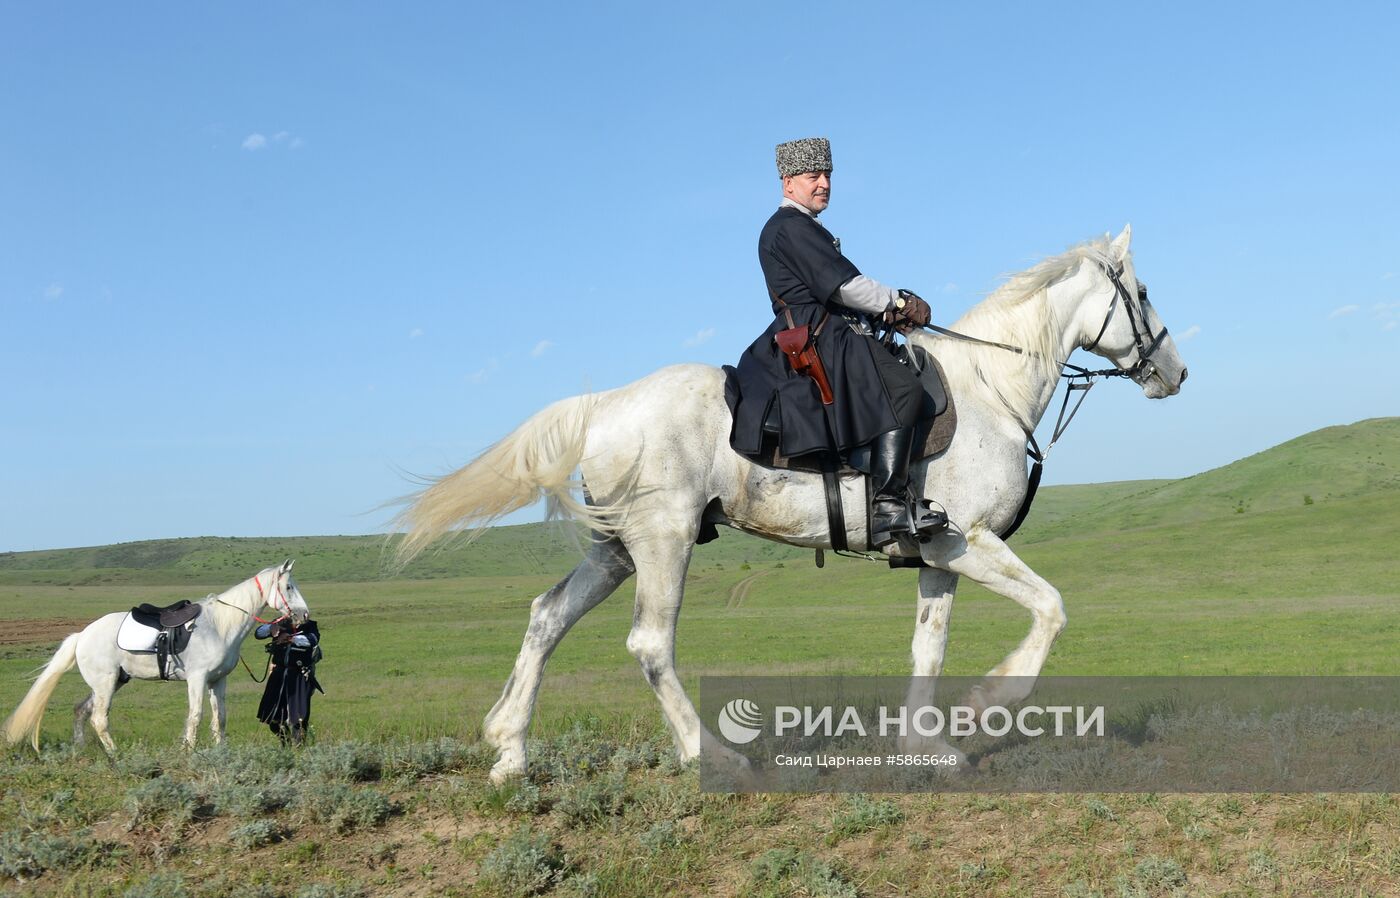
x=259, y=141
x=1388, y=275
x=1187, y=334
x=481, y=375
x=415, y=333
x=1387, y=313
x=950, y=287
x=541, y=348
x=1344, y=310
x=701, y=336
x=53, y=291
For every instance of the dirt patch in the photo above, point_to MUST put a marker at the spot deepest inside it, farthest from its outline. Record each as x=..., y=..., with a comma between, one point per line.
x=39, y=631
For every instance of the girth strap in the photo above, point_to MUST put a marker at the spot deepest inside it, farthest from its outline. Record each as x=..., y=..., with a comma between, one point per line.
x=835, y=516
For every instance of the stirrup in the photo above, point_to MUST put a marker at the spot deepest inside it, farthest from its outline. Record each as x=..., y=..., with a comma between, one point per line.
x=914, y=518
x=927, y=521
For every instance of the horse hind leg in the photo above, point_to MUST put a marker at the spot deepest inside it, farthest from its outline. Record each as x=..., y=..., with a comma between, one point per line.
x=604, y=567
x=661, y=569
x=81, y=712
x=95, y=708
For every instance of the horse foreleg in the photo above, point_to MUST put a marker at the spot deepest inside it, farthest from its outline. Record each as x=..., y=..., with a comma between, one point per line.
x=218, y=710
x=551, y=615
x=934, y=608
x=989, y=562
x=196, y=694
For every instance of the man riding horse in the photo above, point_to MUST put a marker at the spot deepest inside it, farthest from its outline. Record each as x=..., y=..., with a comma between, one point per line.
x=818, y=370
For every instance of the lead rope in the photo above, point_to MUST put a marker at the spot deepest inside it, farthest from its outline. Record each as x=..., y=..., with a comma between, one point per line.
x=268, y=669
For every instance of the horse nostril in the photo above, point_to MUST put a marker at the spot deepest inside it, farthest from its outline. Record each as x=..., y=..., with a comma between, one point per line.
x=1183, y=377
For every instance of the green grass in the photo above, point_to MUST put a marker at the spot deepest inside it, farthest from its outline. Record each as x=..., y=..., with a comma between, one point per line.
x=76, y=825
x=1230, y=571
x=1294, y=589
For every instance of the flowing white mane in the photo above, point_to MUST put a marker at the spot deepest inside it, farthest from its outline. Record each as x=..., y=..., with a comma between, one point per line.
x=1017, y=314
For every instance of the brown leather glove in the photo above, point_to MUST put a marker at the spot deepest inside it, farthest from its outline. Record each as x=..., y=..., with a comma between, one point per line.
x=915, y=313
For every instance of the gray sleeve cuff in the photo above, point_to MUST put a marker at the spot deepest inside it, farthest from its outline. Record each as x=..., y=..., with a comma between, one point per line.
x=866, y=295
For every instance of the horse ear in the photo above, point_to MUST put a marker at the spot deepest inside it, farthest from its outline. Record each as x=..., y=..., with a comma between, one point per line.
x=1120, y=243
x=287, y=565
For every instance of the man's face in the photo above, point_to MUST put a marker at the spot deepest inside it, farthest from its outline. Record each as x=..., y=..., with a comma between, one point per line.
x=812, y=189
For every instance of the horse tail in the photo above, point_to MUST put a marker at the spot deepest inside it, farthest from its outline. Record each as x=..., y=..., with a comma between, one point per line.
x=535, y=461
x=30, y=713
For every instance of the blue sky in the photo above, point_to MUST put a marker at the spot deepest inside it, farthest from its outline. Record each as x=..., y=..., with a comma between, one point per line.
x=258, y=261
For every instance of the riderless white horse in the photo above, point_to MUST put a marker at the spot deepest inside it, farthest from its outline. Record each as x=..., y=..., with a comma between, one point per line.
x=223, y=623
x=656, y=462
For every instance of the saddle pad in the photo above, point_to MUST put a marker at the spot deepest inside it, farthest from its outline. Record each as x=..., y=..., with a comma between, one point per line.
x=134, y=636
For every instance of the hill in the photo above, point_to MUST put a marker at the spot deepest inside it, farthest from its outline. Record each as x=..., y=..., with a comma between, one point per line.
x=1336, y=465
x=1346, y=462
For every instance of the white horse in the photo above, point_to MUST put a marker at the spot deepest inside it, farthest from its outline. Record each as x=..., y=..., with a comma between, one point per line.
x=225, y=620
x=656, y=462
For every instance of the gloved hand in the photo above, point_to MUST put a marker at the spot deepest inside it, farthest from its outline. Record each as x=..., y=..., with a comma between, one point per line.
x=915, y=313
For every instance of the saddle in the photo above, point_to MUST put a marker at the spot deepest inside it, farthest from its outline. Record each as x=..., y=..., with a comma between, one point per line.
x=182, y=612
x=163, y=632
x=933, y=434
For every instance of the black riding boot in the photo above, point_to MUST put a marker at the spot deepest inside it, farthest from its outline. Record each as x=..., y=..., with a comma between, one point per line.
x=893, y=512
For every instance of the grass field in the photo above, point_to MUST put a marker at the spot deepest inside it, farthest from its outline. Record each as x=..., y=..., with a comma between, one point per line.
x=1281, y=563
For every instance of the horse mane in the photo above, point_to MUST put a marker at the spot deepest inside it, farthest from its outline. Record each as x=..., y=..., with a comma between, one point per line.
x=1016, y=313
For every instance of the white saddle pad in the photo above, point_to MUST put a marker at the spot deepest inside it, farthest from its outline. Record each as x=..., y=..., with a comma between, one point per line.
x=133, y=636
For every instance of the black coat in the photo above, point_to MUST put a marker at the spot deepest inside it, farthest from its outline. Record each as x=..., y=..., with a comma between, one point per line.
x=286, y=701
x=803, y=266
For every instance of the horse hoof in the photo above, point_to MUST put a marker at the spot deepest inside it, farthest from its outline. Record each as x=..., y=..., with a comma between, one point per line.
x=504, y=771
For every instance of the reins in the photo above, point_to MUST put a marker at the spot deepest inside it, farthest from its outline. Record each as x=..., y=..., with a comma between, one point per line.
x=1079, y=380
x=1082, y=380
x=262, y=595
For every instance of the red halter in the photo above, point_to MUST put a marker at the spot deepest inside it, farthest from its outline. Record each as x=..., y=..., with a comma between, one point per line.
x=285, y=604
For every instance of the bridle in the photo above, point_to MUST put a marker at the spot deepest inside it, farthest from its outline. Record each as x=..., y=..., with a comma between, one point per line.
x=1136, y=311
x=262, y=594
x=267, y=600
x=286, y=603
x=1081, y=380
